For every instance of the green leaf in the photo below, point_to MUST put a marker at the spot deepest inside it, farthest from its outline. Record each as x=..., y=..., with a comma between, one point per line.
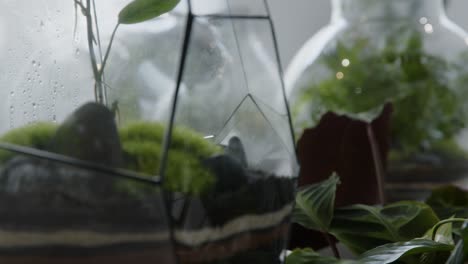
x=443, y=235
x=449, y=200
x=315, y=203
x=457, y=255
x=460, y=253
x=308, y=256
x=143, y=10
x=362, y=227
x=392, y=252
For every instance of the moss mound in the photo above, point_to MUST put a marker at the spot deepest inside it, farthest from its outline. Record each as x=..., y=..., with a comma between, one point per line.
x=142, y=145
x=37, y=135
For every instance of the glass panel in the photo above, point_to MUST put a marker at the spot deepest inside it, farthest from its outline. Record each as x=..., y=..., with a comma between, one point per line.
x=229, y=7
x=49, y=81
x=57, y=213
x=241, y=182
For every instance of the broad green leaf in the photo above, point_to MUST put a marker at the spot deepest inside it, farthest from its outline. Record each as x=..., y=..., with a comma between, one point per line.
x=363, y=227
x=308, y=256
x=449, y=200
x=392, y=252
x=141, y=10
x=315, y=204
x=443, y=235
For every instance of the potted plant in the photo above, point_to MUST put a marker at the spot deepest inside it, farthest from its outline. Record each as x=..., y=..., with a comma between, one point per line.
x=403, y=232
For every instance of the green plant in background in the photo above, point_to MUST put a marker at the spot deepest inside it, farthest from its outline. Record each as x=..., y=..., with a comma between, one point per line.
x=403, y=232
x=426, y=109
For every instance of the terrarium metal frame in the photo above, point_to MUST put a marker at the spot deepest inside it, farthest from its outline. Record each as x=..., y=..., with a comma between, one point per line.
x=157, y=181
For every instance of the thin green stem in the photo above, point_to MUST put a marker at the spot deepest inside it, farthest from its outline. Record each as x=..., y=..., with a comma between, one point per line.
x=447, y=221
x=106, y=56
x=83, y=8
x=379, y=169
x=92, y=54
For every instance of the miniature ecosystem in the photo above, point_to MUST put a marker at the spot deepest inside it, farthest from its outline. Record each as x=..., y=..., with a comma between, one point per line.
x=104, y=186
x=397, y=71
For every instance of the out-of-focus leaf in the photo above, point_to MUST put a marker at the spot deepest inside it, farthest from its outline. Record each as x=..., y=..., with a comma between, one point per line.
x=141, y=10
x=457, y=255
x=449, y=201
x=444, y=234
x=464, y=237
x=362, y=227
x=315, y=204
x=308, y=256
x=392, y=252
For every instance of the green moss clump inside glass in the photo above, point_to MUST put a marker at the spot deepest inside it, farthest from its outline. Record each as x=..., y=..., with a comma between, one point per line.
x=141, y=144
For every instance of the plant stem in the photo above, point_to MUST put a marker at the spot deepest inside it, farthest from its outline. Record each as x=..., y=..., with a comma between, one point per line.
x=379, y=170
x=106, y=56
x=447, y=221
x=332, y=244
x=94, y=65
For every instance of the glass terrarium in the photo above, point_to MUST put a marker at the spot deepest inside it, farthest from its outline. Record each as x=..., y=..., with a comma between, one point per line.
x=379, y=96
x=133, y=134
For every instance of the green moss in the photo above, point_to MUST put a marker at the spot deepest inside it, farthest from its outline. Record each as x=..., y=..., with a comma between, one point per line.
x=36, y=135
x=142, y=143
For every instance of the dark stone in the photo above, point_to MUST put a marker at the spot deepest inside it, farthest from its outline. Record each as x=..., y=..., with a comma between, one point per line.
x=235, y=149
x=229, y=172
x=90, y=134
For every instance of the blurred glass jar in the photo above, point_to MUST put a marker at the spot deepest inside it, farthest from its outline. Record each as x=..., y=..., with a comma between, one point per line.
x=185, y=155
x=403, y=54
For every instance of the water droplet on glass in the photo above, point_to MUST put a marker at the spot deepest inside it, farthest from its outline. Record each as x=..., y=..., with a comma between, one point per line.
x=358, y=90
x=77, y=53
x=428, y=28
x=423, y=20
x=345, y=62
x=33, y=63
x=339, y=75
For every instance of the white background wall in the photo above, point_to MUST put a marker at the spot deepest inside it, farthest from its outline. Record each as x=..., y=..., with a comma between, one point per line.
x=297, y=20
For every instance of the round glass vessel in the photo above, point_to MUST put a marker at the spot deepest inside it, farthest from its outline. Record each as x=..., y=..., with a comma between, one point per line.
x=162, y=141
x=380, y=95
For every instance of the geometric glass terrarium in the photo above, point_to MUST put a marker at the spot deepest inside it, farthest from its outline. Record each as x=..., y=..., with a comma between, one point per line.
x=174, y=146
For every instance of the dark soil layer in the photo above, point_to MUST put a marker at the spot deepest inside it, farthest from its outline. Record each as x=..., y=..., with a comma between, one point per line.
x=39, y=200
x=142, y=256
